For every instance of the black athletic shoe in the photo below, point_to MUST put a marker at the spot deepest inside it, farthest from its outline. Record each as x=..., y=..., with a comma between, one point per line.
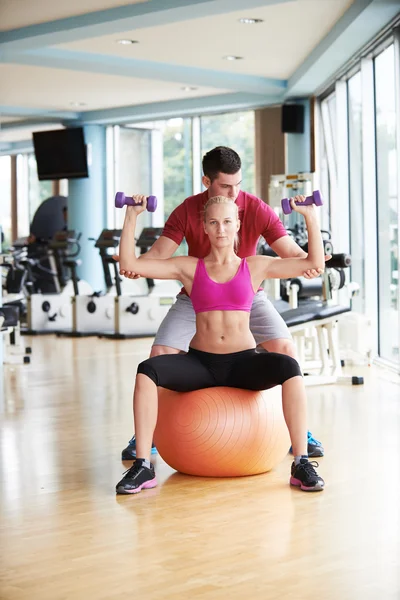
x=137, y=478
x=306, y=477
x=129, y=453
x=314, y=448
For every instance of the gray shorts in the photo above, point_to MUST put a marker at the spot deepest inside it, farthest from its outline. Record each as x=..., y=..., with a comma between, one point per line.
x=179, y=325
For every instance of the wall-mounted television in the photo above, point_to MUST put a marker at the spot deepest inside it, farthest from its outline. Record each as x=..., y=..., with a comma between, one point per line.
x=60, y=154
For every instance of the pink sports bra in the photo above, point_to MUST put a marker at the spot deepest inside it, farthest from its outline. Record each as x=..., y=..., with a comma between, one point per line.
x=235, y=294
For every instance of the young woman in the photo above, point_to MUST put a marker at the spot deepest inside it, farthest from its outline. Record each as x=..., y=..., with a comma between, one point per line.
x=223, y=351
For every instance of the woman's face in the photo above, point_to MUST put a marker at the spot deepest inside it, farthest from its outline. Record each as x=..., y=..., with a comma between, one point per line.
x=221, y=224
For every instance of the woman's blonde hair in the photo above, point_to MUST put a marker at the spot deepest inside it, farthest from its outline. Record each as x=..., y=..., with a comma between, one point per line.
x=220, y=200
x=223, y=200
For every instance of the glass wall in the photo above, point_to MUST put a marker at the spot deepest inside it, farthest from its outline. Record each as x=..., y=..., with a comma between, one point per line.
x=388, y=204
x=37, y=190
x=24, y=219
x=327, y=159
x=30, y=193
x=134, y=153
x=133, y=164
x=371, y=125
x=172, y=151
x=356, y=189
x=5, y=199
x=178, y=162
x=235, y=130
x=331, y=105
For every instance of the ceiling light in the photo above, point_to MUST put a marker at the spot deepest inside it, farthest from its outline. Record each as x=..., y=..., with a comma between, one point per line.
x=188, y=88
x=231, y=57
x=246, y=21
x=77, y=104
x=127, y=42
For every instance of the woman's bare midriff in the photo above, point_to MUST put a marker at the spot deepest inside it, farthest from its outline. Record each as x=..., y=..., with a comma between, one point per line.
x=222, y=332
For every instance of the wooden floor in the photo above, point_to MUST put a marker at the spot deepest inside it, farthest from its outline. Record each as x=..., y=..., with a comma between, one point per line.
x=65, y=535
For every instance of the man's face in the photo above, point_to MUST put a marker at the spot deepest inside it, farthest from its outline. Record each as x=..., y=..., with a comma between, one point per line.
x=224, y=185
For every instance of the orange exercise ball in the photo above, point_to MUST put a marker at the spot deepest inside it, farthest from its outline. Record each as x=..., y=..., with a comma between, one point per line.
x=221, y=431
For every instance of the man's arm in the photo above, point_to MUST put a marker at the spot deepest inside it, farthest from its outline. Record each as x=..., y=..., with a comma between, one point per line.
x=164, y=247
x=286, y=247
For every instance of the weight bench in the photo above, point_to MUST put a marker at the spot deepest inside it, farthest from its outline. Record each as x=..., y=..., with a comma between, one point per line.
x=314, y=327
x=14, y=352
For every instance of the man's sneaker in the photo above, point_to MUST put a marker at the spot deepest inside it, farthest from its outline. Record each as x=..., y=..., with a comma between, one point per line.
x=314, y=448
x=306, y=477
x=137, y=478
x=129, y=453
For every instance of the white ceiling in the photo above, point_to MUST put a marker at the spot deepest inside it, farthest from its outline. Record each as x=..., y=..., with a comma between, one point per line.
x=4, y=119
x=55, y=89
x=20, y=13
x=274, y=48
x=24, y=133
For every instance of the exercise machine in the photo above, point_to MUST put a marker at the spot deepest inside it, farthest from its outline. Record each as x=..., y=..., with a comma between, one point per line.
x=14, y=351
x=52, y=312
x=37, y=280
x=93, y=313
x=128, y=308
x=312, y=310
x=141, y=315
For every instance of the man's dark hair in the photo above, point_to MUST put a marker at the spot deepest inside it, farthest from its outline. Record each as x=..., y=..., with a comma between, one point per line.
x=221, y=160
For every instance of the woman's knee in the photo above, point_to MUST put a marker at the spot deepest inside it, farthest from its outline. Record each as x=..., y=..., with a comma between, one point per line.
x=289, y=368
x=281, y=346
x=146, y=367
x=283, y=366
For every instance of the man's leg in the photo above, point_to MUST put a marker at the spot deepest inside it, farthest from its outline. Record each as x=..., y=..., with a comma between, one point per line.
x=159, y=350
x=271, y=333
x=281, y=346
x=173, y=337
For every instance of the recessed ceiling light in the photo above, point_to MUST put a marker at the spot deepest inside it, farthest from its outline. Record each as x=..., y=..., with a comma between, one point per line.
x=127, y=42
x=77, y=104
x=231, y=57
x=247, y=21
x=188, y=88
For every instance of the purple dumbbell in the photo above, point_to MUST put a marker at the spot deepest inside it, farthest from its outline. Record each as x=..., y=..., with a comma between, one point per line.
x=121, y=200
x=316, y=199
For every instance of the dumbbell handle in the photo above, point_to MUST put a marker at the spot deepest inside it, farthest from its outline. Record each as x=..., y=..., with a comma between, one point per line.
x=316, y=199
x=121, y=200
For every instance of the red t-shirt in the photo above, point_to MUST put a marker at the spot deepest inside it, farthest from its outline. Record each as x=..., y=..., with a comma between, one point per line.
x=257, y=219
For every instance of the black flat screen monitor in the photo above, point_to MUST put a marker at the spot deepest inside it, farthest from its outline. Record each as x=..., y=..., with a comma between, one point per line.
x=60, y=154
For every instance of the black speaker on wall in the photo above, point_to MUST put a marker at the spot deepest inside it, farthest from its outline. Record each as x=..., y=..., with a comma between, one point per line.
x=292, y=118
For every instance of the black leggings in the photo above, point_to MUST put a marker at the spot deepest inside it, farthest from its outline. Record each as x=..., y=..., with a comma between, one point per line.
x=249, y=369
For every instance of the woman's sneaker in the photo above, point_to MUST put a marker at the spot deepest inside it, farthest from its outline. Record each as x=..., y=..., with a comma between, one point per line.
x=137, y=478
x=129, y=453
x=306, y=477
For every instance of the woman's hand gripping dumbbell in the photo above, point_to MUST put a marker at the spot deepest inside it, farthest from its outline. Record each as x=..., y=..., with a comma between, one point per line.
x=121, y=200
x=139, y=203
x=315, y=198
